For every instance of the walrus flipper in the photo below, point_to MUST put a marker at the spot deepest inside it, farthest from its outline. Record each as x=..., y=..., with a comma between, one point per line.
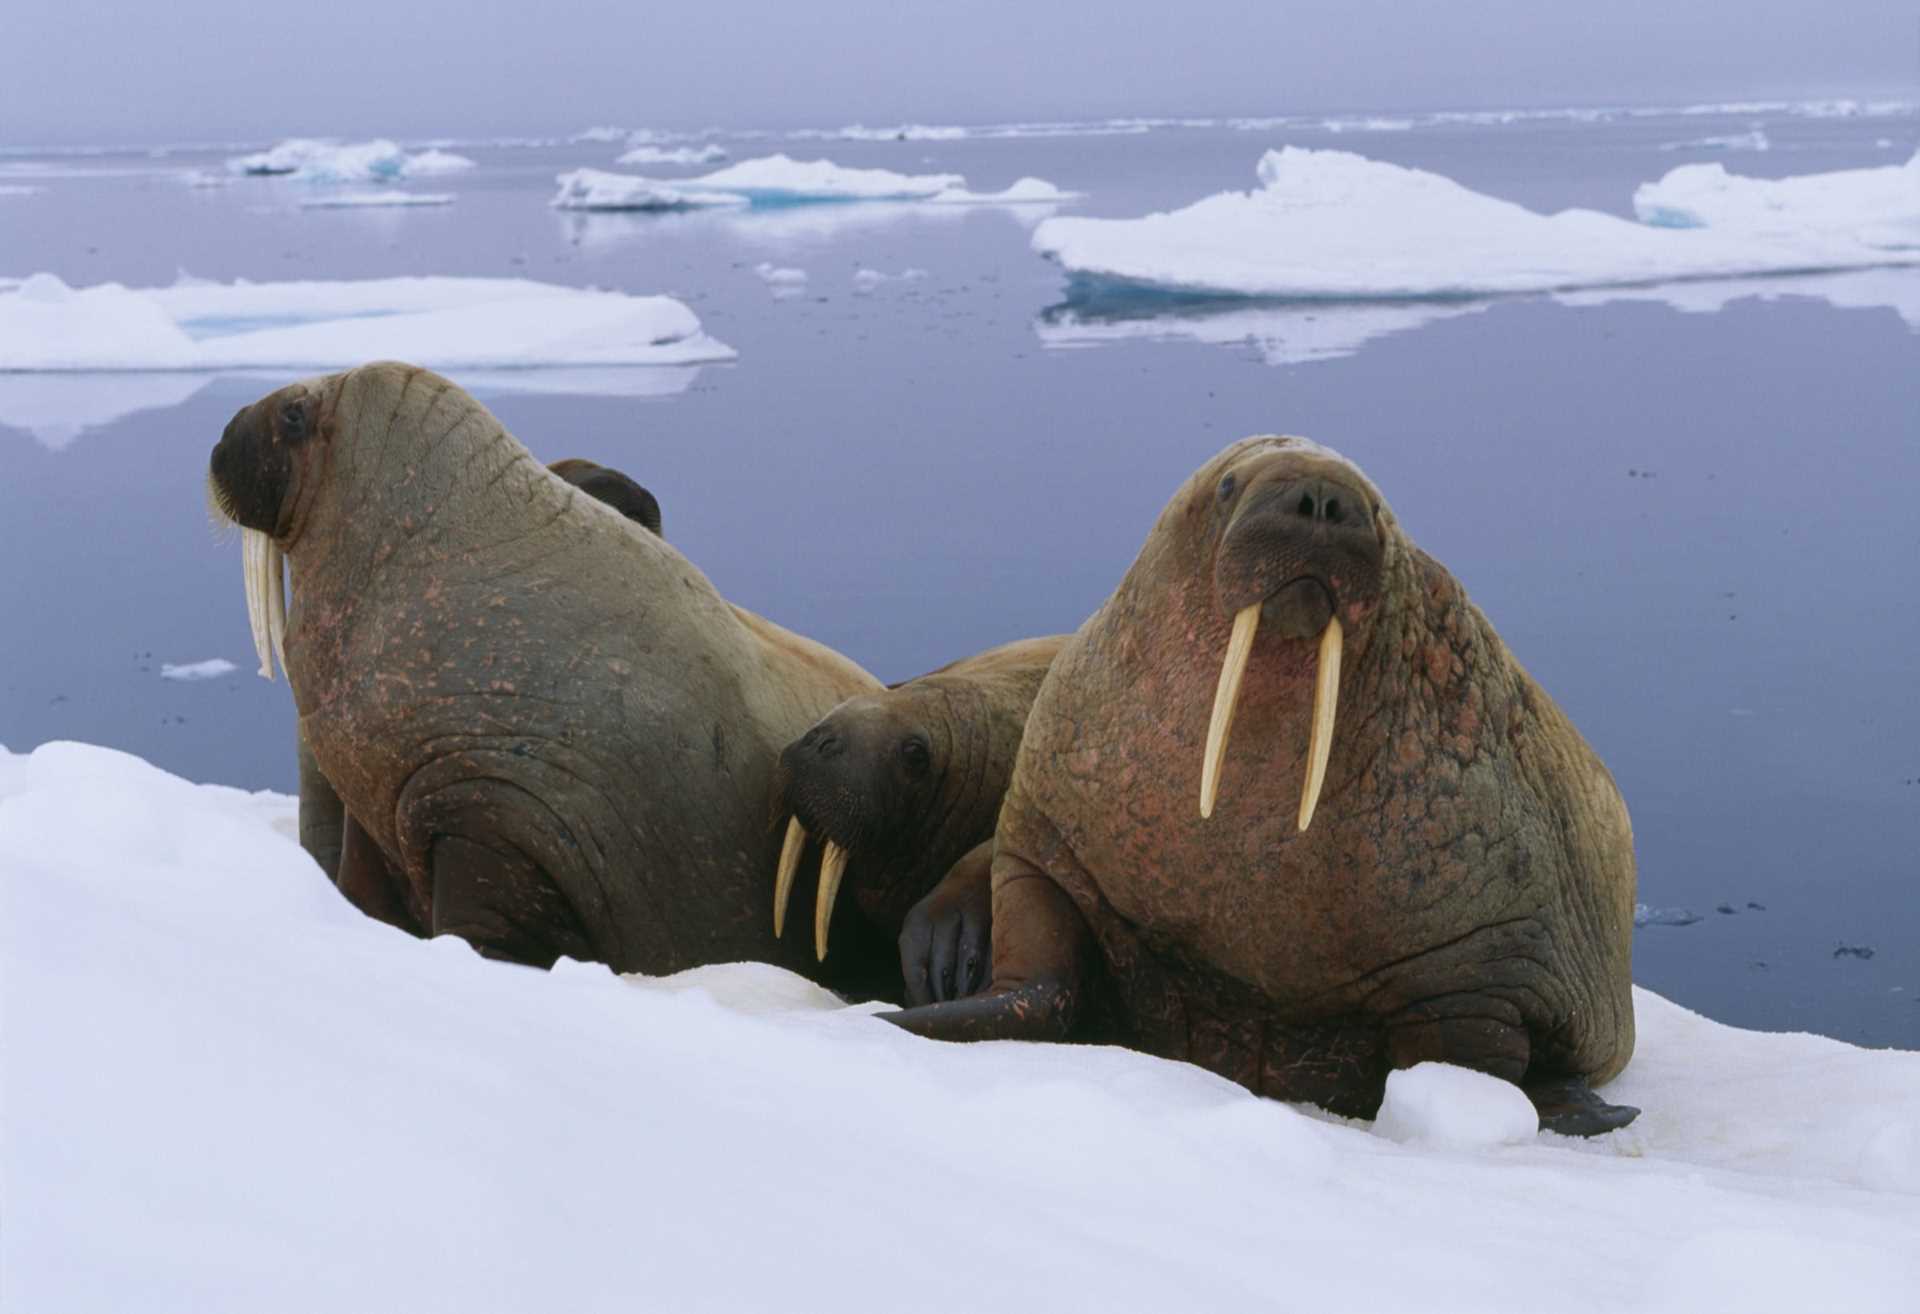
x=946, y=944
x=1042, y=967
x=1569, y=1106
x=323, y=817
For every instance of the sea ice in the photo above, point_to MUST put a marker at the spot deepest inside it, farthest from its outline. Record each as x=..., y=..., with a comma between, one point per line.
x=211, y=669
x=355, y=200
x=783, y=282
x=20, y=189
x=645, y=154
x=1331, y=224
x=221, y=1082
x=779, y=179
x=1877, y=208
x=443, y=323
x=323, y=160
x=596, y=189
x=1026, y=191
x=867, y=280
x=1734, y=141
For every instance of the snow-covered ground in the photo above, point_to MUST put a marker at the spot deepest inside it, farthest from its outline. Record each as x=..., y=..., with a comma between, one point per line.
x=443, y=323
x=1332, y=224
x=324, y=160
x=778, y=180
x=226, y=1090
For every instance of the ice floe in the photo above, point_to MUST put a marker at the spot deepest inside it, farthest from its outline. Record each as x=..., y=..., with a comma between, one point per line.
x=782, y=281
x=357, y=200
x=232, y=1080
x=1756, y=140
x=596, y=189
x=1876, y=208
x=1331, y=224
x=869, y=280
x=211, y=669
x=1025, y=191
x=780, y=179
x=324, y=160
x=443, y=323
x=647, y=154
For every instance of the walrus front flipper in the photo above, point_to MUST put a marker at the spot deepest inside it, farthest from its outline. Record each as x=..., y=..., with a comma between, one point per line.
x=323, y=817
x=947, y=941
x=1569, y=1106
x=1042, y=967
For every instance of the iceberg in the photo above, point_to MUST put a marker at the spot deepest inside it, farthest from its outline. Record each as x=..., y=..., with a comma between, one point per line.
x=1335, y=225
x=645, y=154
x=1876, y=208
x=323, y=160
x=443, y=323
x=596, y=189
x=233, y=1079
x=781, y=180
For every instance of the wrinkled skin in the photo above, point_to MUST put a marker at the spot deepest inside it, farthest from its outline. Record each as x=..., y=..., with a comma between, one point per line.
x=1464, y=892
x=909, y=781
x=557, y=735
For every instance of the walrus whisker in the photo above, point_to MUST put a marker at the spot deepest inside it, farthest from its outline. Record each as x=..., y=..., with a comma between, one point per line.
x=1326, y=697
x=833, y=865
x=1226, y=699
x=783, y=879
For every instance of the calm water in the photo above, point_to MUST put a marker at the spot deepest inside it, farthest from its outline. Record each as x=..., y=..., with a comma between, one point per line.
x=1700, y=531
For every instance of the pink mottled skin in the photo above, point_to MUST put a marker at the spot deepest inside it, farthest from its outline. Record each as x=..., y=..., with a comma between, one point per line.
x=1464, y=892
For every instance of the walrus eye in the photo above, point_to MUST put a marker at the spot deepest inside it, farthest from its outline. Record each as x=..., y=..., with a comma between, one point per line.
x=293, y=420
x=1227, y=485
x=913, y=754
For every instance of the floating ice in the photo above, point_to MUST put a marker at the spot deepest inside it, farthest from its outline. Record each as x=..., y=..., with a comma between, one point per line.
x=233, y=1080
x=1644, y=915
x=782, y=282
x=779, y=179
x=867, y=280
x=443, y=323
x=596, y=189
x=354, y=200
x=1877, y=208
x=211, y=669
x=1444, y=1107
x=673, y=155
x=1330, y=224
x=20, y=189
x=1734, y=141
x=1026, y=191
x=323, y=160
x=601, y=133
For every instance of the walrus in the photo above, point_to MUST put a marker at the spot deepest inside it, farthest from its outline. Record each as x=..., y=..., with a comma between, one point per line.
x=555, y=731
x=897, y=787
x=326, y=831
x=1288, y=808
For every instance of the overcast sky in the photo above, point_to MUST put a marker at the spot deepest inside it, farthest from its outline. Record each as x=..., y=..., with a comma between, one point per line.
x=176, y=70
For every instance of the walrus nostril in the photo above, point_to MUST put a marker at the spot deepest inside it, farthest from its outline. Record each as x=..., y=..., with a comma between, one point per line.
x=1305, y=507
x=1330, y=510
x=829, y=745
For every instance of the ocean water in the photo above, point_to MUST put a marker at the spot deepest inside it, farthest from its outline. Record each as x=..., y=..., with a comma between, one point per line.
x=1698, y=528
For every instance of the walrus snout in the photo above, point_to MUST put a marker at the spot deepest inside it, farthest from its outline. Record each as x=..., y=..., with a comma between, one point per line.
x=251, y=468
x=1304, y=546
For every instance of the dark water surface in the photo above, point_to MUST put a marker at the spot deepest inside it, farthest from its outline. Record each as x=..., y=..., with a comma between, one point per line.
x=1700, y=531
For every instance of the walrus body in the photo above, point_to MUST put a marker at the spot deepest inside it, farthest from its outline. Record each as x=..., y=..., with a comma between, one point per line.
x=1463, y=892
x=897, y=787
x=555, y=732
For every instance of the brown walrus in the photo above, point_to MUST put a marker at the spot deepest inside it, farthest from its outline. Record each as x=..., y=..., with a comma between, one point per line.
x=554, y=730
x=1443, y=872
x=896, y=787
x=326, y=831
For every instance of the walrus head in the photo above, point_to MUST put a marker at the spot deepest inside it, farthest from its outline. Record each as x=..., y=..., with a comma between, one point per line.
x=1298, y=539
x=863, y=779
x=607, y=485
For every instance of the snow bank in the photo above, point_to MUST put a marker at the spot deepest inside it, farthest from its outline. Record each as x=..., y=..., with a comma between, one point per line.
x=356, y=200
x=324, y=160
x=1877, y=208
x=1331, y=224
x=596, y=189
x=673, y=155
x=226, y=1090
x=443, y=323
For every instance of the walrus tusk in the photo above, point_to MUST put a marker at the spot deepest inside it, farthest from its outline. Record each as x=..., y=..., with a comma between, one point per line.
x=260, y=559
x=277, y=602
x=1226, y=697
x=833, y=865
x=1326, y=696
x=783, y=880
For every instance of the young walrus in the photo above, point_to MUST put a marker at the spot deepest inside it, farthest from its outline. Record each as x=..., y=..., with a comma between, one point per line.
x=1288, y=808
x=896, y=788
x=556, y=733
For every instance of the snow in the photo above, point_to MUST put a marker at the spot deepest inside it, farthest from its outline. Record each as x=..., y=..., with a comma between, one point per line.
x=596, y=189
x=1877, y=208
x=211, y=669
x=1332, y=224
x=324, y=160
x=355, y=200
x=443, y=323
x=227, y=1090
x=673, y=155
x=1450, y=1108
